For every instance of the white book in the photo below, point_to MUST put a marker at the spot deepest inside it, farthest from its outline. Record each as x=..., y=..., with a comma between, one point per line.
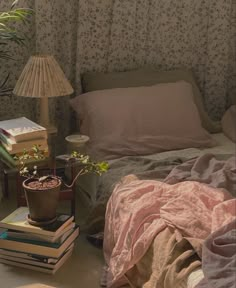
x=22, y=129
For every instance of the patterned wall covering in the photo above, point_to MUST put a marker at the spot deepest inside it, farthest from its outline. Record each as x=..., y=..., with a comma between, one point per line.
x=116, y=35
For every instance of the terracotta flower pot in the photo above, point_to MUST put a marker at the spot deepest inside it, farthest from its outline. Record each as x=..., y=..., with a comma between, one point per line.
x=42, y=202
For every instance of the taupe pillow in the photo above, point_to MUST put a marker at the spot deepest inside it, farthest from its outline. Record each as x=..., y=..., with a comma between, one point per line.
x=229, y=123
x=148, y=77
x=140, y=120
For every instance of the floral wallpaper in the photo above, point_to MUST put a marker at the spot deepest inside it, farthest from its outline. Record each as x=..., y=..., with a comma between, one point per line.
x=118, y=35
x=198, y=34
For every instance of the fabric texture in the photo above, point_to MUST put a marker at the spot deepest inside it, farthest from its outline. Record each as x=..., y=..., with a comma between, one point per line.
x=209, y=169
x=148, y=77
x=229, y=123
x=138, y=167
x=140, y=120
x=219, y=257
x=215, y=170
x=167, y=263
x=144, y=208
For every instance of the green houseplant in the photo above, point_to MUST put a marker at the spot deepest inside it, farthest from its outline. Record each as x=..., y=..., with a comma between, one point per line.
x=42, y=193
x=9, y=34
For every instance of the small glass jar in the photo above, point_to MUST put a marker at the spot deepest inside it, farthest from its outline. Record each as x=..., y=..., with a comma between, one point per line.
x=76, y=142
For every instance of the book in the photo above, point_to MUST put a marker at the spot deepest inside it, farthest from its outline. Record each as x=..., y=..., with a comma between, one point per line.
x=17, y=220
x=9, y=160
x=59, y=238
x=22, y=129
x=38, y=265
x=6, y=158
x=14, y=147
x=38, y=247
x=27, y=256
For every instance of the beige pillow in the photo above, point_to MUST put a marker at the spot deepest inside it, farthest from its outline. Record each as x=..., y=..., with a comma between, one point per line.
x=229, y=123
x=140, y=120
x=147, y=77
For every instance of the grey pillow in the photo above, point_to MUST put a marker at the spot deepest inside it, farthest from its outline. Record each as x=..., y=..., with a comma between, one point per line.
x=146, y=77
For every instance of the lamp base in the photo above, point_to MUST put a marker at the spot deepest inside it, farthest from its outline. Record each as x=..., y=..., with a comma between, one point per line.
x=44, y=117
x=51, y=129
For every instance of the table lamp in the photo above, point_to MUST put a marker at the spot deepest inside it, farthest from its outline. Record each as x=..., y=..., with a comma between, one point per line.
x=42, y=78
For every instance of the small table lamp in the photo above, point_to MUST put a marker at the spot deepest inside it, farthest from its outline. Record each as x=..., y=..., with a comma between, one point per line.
x=42, y=78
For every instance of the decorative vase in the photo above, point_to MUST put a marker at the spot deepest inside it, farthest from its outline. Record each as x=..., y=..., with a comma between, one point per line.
x=43, y=201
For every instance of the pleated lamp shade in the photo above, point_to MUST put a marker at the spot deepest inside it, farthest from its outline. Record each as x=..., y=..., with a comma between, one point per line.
x=42, y=78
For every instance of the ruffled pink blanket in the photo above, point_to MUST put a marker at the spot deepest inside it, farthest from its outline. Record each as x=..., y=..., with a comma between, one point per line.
x=139, y=209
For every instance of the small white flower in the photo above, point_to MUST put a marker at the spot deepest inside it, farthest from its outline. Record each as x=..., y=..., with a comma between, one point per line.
x=25, y=170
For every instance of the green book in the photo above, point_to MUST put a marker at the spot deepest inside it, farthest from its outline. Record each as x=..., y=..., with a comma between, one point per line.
x=6, y=158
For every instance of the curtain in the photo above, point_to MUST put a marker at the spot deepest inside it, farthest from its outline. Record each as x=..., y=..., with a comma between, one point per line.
x=118, y=35
x=167, y=34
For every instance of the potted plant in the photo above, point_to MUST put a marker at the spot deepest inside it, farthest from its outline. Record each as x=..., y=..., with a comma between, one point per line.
x=8, y=34
x=42, y=193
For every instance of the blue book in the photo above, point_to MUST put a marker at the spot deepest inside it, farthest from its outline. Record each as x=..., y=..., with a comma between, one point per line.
x=37, y=247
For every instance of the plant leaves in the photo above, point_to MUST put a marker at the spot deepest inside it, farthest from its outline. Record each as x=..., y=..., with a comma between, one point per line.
x=14, y=4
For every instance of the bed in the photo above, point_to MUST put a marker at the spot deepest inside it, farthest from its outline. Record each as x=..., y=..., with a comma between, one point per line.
x=135, y=121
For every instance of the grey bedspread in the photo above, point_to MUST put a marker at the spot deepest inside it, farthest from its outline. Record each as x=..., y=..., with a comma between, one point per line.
x=215, y=170
x=219, y=258
x=140, y=167
x=218, y=171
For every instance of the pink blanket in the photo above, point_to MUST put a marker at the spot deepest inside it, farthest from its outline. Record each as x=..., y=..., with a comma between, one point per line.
x=139, y=209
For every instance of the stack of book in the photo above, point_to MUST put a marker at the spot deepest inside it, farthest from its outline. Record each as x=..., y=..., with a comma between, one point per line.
x=36, y=248
x=17, y=135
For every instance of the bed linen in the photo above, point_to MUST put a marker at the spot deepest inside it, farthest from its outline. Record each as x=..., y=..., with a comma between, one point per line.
x=219, y=257
x=109, y=118
x=156, y=166
x=139, y=210
x=149, y=76
x=89, y=185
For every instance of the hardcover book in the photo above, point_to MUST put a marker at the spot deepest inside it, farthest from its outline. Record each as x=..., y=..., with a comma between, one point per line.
x=17, y=220
x=22, y=129
x=59, y=238
x=9, y=160
x=14, y=147
x=38, y=247
x=34, y=257
x=37, y=264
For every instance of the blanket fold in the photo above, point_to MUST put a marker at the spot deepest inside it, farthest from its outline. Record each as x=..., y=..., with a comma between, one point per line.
x=140, y=212
x=173, y=258
x=219, y=258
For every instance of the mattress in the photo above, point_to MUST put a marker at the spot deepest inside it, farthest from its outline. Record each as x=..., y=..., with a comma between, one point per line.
x=88, y=183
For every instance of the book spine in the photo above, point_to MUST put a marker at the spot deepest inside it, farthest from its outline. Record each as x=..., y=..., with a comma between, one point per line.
x=6, y=157
x=27, y=256
x=27, y=266
x=5, y=139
